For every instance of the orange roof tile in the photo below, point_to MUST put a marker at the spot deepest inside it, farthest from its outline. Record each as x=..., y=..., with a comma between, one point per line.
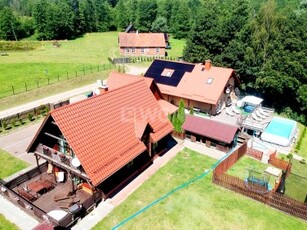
x=167, y=107
x=141, y=40
x=103, y=130
x=116, y=80
x=195, y=86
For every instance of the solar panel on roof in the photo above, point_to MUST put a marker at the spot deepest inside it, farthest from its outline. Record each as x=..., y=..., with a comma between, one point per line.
x=157, y=67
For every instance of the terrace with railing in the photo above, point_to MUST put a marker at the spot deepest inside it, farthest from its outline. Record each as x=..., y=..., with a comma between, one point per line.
x=57, y=157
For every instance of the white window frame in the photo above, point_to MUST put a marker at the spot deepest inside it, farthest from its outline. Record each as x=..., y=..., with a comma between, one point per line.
x=133, y=50
x=142, y=50
x=127, y=50
x=157, y=50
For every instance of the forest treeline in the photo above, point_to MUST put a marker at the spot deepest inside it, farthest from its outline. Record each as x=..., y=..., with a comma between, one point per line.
x=263, y=40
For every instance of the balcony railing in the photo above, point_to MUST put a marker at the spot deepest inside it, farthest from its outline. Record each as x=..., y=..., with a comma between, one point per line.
x=58, y=156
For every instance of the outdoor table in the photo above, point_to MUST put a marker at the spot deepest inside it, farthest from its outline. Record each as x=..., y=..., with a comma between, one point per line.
x=36, y=187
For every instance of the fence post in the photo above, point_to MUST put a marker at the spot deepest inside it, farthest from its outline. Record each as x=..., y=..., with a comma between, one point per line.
x=26, y=86
x=48, y=80
x=37, y=83
x=58, y=77
x=13, y=90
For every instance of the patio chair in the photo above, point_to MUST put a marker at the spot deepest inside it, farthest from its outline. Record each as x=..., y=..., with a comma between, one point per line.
x=26, y=195
x=229, y=112
x=255, y=117
x=259, y=114
x=263, y=112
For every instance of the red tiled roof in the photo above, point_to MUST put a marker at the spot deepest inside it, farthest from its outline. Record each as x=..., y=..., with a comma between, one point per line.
x=141, y=40
x=193, y=85
x=210, y=128
x=167, y=107
x=103, y=130
x=117, y=80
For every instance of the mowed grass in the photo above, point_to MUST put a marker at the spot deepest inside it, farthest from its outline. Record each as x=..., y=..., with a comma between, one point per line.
x=88, y=51
x=247, y=165
x=201, y=205
x=296, y=183
x=10, y=164
x=6, y=225
x=177, y=46
x=52, y=89
x=303, y=147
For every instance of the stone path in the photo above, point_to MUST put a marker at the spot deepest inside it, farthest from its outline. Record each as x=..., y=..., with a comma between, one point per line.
x=17, y=216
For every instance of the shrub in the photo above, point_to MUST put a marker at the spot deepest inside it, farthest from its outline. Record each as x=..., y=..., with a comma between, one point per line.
x=192, y=111
x=303, y=161
x=30, y=117
x=13, y=122
x=290, y=156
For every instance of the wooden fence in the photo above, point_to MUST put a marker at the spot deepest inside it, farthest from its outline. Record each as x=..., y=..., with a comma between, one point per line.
x=254, y=153
x=279, y=163
x=275, y=200
x=231, y=159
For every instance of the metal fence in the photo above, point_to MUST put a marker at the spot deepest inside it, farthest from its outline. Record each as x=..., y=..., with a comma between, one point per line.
x=49, y=80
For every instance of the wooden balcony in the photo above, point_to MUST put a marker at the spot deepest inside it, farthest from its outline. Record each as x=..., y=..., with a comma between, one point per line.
x=60, y=159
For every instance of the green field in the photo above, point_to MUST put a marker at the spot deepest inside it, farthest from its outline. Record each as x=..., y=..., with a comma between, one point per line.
x=201, y=205
x=6, y=225
x=28, y=70
x=10, y=164
x=90, y=51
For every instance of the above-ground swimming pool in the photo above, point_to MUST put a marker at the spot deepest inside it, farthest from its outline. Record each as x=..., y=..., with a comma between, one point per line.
x=280, y=131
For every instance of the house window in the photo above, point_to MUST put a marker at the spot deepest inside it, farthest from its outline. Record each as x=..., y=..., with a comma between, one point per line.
x=133, y=50
x=167, y=72
x=157, y=50
x=142, y=50
x=127, y=50
x=210, y=80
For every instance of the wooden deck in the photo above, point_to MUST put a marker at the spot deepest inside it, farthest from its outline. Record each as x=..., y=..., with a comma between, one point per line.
x=46, y=200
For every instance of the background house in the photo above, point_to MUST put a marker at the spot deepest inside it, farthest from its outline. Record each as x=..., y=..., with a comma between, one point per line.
x=202, y=86
x=142, y=44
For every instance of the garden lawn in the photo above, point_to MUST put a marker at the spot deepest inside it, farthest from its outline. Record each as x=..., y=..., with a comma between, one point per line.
x=5, y=224
x=10, y=164
x=177, y=46
x=201, y=205
x=88, y=51
x=240, y=169
x=302, y=149
x=296, y=183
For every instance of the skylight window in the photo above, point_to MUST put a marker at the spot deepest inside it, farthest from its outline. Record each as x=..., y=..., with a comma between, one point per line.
x=210, y=80
x=167, y=72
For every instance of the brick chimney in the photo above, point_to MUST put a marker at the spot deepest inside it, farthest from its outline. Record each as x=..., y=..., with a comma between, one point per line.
x=208, y=64
x=103, y=89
